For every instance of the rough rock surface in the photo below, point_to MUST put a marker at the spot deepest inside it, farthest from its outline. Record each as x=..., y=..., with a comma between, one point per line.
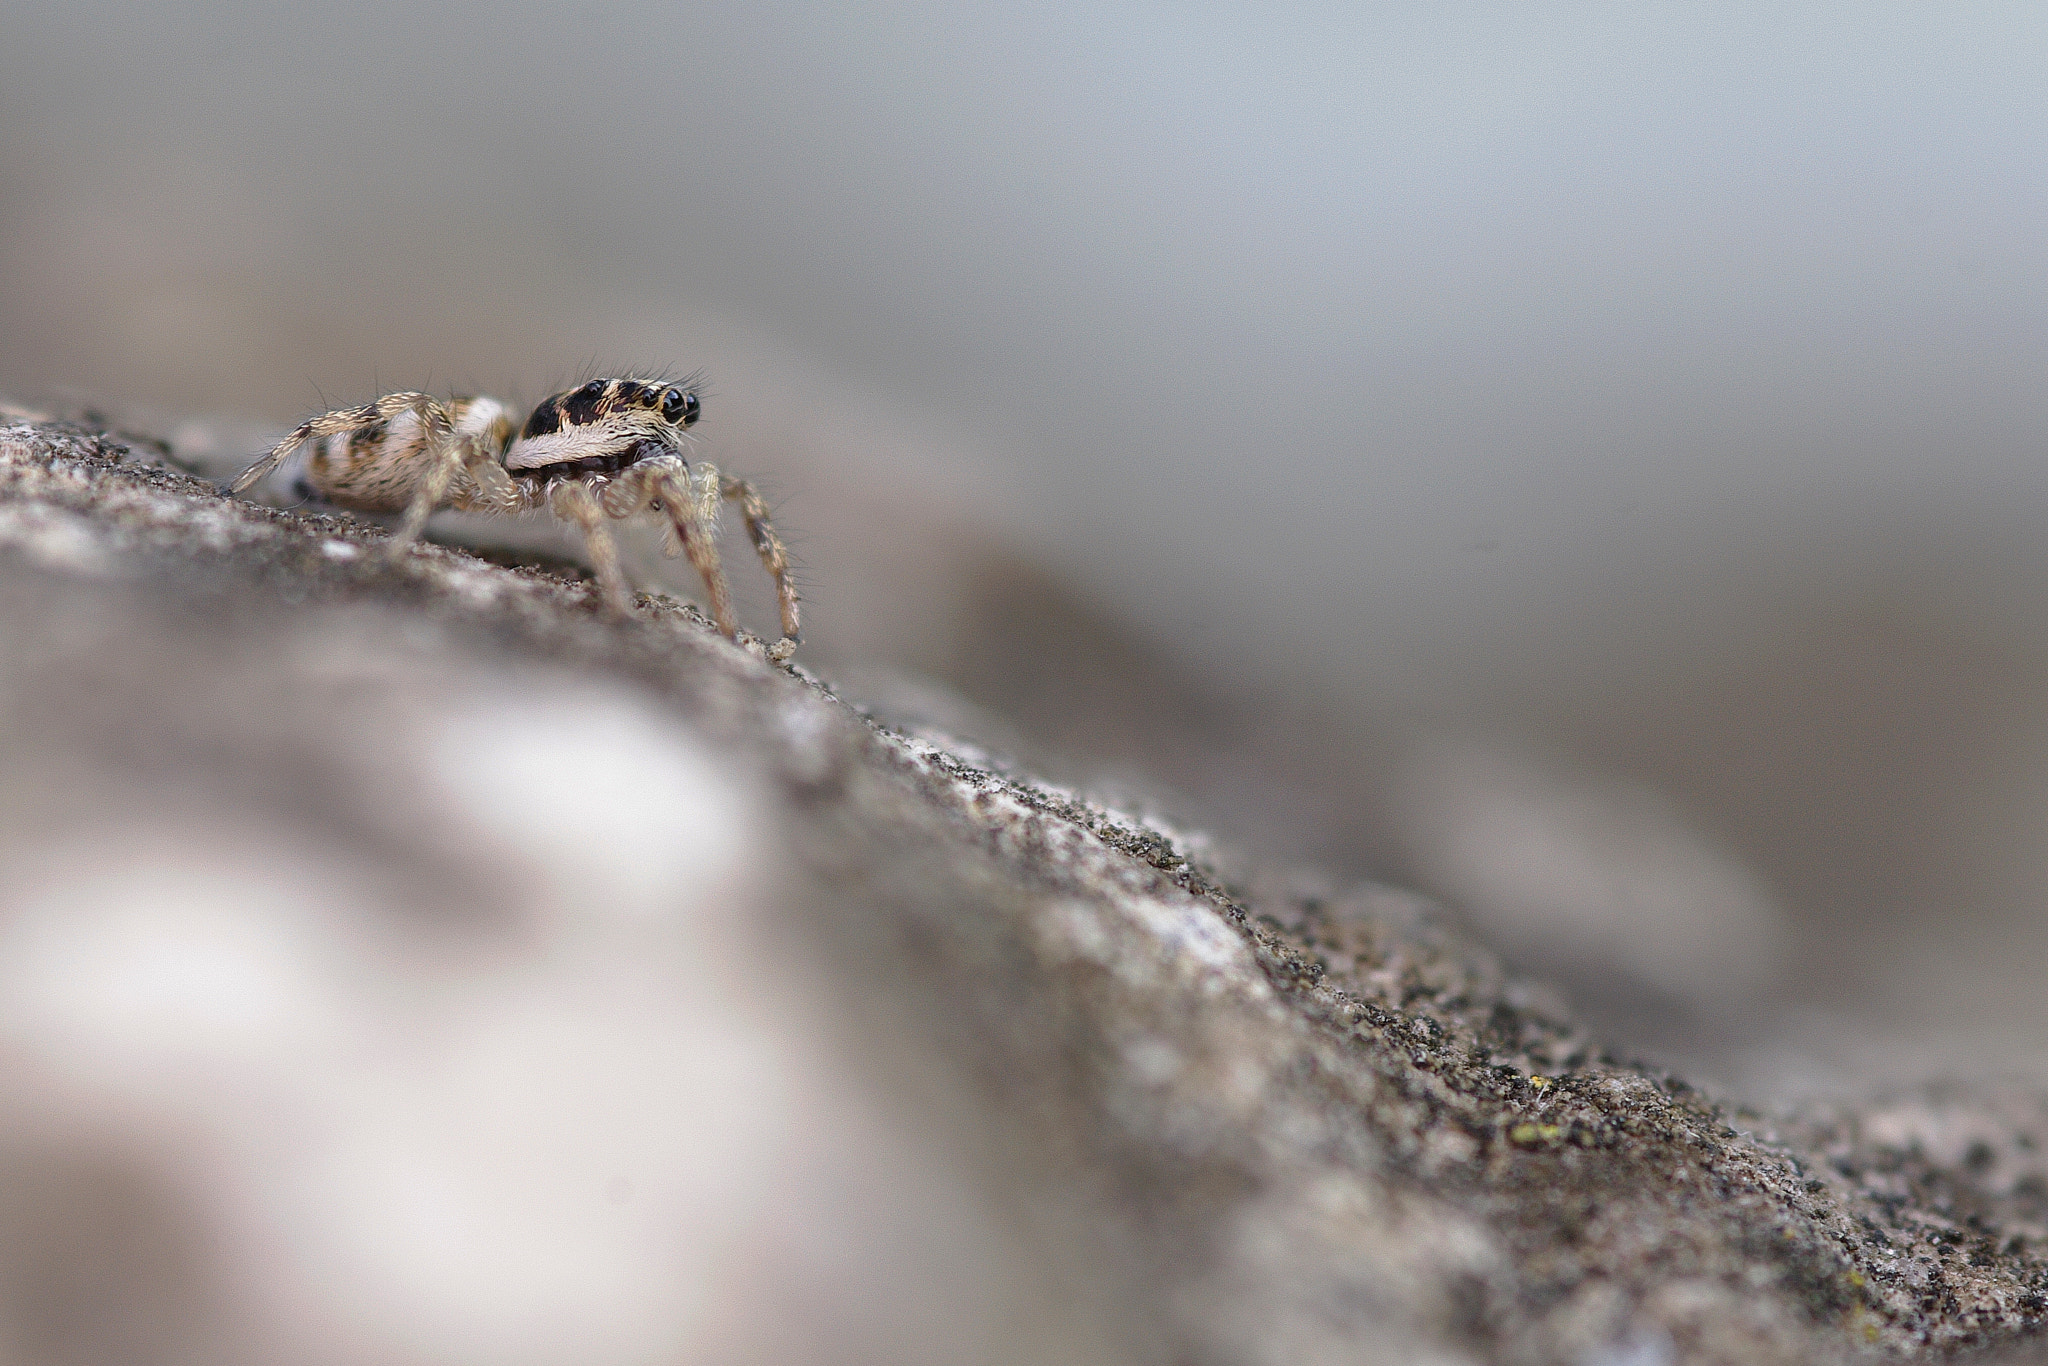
x=400, y=961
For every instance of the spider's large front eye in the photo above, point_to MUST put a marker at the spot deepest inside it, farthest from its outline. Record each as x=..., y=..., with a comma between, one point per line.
x=680, y=405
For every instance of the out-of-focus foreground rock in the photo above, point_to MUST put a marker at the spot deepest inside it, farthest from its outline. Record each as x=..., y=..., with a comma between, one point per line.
x=400, y=962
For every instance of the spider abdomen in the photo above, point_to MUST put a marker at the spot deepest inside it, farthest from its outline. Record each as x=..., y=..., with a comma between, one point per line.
x=377, y=466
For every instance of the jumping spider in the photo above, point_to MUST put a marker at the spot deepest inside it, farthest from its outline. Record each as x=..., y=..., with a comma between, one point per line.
x=611, y=448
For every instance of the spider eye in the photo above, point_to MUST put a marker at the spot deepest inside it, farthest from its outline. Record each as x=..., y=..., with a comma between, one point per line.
x=680, y=405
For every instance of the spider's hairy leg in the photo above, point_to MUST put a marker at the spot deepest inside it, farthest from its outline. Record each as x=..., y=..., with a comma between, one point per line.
x=631, y=491
x=693, y=518
x=774, y=558
x=495, y=491
x=339, y=421
x=575, y=503
x=664, y=483
x=448, y=452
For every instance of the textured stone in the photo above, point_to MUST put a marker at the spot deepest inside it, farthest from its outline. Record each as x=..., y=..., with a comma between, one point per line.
x=401, y=961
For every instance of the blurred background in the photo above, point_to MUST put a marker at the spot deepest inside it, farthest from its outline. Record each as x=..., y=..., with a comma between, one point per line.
x=1582, y=460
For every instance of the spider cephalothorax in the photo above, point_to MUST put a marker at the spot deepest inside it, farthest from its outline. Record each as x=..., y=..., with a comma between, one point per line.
x=603, y=427
x=611, y=448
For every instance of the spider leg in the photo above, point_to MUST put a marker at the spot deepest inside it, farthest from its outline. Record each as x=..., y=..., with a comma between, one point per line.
x=630, y=491
x=494, y=490
x=774, y=558
x=575, y=503
x=333, y=424
x=448, y=453
x=693, y=520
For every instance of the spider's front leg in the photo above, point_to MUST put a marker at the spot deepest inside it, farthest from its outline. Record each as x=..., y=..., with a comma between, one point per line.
x=692, y=512
x=774, y=558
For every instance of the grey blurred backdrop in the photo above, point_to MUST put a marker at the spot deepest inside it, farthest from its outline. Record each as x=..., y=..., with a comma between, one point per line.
x=1584, y=459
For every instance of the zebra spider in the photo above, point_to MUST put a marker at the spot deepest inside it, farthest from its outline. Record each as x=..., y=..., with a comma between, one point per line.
x=611, y=448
